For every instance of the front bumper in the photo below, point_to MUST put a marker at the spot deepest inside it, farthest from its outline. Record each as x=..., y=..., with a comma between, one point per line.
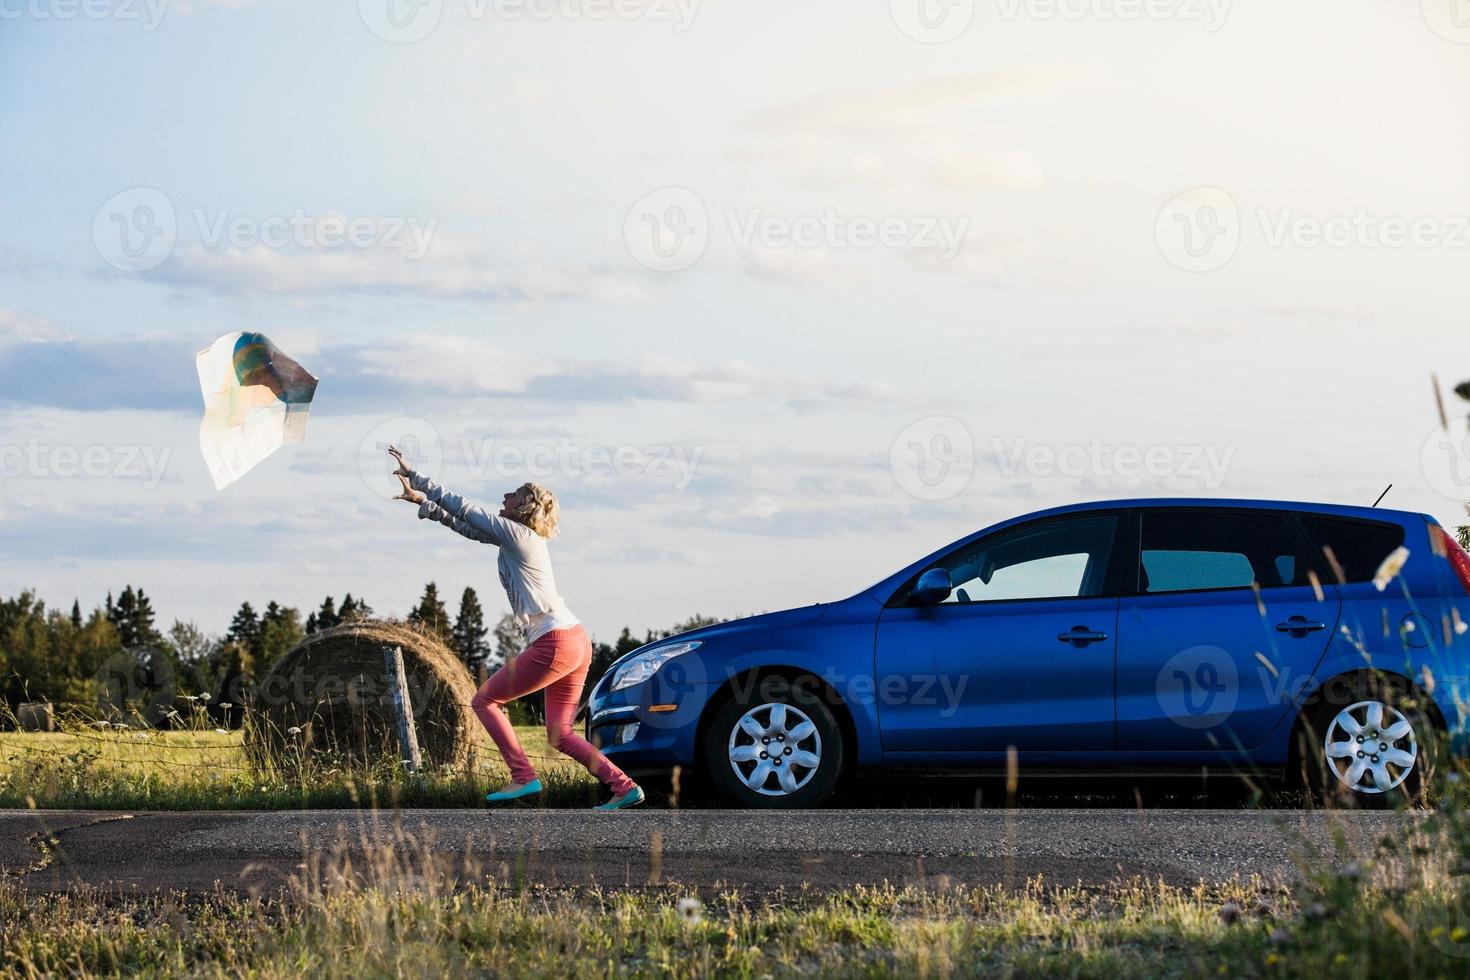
x=665, y=713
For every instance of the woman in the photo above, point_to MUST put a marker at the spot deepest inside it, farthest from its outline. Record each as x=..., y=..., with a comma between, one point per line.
x=559, y=652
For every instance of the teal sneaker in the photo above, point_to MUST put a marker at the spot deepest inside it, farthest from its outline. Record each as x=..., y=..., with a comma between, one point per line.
x=516, y=793
x=633, y=797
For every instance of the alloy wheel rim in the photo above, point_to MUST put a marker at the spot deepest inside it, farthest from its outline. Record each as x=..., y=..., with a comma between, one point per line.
x=1371, y=747
x=775, y=749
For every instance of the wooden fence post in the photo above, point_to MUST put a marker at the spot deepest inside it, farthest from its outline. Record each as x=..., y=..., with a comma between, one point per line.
x=408, y=739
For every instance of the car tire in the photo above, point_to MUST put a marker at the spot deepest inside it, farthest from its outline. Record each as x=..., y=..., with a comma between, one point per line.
x=777, y=747
x=1369, y=743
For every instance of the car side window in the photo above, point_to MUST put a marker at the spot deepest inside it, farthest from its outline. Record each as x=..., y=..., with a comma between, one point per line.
x=1352, y=550
x=1199, y=551
x=1061, y=559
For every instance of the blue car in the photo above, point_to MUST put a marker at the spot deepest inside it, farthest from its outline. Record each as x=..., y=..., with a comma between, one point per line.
x=1133, y=637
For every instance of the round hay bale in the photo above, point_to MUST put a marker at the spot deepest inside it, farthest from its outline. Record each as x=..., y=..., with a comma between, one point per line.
x=334, y=691
x=38, y=716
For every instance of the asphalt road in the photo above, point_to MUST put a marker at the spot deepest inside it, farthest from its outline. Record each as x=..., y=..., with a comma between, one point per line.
x=758, y=853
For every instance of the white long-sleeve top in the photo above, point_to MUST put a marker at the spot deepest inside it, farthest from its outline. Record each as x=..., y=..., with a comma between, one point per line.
x=524, y=562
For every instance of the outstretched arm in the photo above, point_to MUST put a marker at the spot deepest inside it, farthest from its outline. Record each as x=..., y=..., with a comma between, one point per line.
x=454, y=512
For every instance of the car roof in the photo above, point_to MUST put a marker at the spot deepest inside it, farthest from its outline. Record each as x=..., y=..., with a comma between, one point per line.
x=1343, y=510
x=879, y=590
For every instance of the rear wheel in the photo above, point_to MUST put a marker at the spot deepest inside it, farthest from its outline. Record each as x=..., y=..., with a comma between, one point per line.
x=1370, y=745
x=778, y=747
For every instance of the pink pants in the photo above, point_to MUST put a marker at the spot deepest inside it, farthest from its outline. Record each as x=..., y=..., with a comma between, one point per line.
x=558, y=662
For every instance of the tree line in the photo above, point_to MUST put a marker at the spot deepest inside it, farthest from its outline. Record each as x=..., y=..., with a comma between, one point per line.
x=61, y=655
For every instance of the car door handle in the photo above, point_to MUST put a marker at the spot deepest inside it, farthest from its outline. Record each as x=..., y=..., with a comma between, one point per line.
x=1300, y=626
x=1081, y=636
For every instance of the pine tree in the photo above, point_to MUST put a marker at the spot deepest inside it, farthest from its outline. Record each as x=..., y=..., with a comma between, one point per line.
x=431, y=613
x=76, y=613
x=469, y=631
x=245, y=629
x=123, y=616
x=327, y=616
x=280, y=630
x=143, y=625
x=132, y=617
x=509, y=640
x=353, y=609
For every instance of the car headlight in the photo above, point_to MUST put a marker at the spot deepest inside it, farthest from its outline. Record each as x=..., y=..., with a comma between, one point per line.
x=640, y=668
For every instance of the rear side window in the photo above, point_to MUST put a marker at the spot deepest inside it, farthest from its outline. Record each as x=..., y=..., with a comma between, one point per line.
x=1352, y=550
x=1198, y=551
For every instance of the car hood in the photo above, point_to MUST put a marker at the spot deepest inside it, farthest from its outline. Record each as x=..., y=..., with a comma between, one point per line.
x=804, y=614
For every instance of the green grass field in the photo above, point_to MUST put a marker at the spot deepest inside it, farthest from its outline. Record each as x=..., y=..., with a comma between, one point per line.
x=209, y=770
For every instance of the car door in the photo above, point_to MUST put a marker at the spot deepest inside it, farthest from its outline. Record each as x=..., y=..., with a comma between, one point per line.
x=1020, y=653
x=1227, y=617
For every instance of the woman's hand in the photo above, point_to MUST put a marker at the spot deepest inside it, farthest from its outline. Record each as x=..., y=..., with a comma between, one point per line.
x=403, y=468
x=409, y=493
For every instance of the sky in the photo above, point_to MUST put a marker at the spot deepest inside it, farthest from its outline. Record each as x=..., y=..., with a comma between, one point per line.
x=776, y=297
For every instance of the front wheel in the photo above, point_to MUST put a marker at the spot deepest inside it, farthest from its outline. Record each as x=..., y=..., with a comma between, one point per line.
x=779, y=747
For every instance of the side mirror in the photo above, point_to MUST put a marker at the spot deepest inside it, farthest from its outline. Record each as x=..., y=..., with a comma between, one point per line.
x=934, y=587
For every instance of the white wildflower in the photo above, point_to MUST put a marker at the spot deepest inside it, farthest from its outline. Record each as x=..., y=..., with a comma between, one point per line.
x=1391, y=567
x=293, y=730
x=204, y=697
x=690, y=910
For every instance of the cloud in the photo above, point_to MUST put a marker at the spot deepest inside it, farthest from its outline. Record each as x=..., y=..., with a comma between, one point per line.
x=157, y=373
x=448, y=270
x=17, y=328
x=906, y=106
x=916, y=140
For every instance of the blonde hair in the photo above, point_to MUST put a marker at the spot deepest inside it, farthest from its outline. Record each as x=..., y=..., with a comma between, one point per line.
x=538, y=509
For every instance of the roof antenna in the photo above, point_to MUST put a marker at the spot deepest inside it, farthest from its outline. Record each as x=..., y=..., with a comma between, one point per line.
x=1382, y=495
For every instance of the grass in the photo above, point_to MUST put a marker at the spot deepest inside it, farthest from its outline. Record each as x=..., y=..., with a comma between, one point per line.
x=202, y=769
x=1127, y=930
